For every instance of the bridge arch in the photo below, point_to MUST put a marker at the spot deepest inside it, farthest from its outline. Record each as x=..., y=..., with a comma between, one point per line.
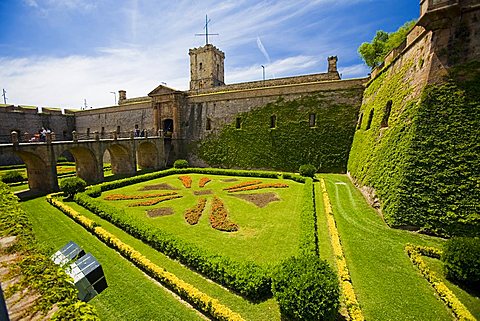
x=147, y=155
x=122, y=159
x=87, y=166
x=41, y=175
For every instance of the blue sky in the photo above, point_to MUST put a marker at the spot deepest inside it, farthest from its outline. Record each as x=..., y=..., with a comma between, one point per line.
x=60, y=52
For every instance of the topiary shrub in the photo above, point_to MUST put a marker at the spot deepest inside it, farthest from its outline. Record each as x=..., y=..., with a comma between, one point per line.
x=461, y=260
x=13, y=177
x=307, y=170
x=72, y=185
x=306, y=288
x=94, y=191
x=180, y=163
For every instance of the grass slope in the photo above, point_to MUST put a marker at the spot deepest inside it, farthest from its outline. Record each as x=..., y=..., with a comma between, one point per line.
x=387, y=285
x=130, y=295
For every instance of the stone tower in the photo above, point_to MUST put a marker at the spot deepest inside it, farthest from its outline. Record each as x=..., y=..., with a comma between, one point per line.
x=206, y=67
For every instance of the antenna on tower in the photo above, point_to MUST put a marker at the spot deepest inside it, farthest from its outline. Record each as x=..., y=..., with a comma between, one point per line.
x=206, y=34
x=4, y=96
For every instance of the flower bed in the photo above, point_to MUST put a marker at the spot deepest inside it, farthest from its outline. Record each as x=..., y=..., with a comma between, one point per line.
x=350, y=299
x=186, y=181
x=415, y=253
x=192, y=215
x=258, y=186
x=203, y=181
x=123, y=197
x=244, y=184
x=246, y=277
x=155, y=201
x=219, y=217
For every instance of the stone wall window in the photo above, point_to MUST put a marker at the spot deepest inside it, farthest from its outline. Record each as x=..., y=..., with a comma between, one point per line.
x=103, y=131
x=88, y=132
x=312, y=120
x=370, y=118
x=273, y=121
x=118, y=129
x=238, y=123
x=200, y=66
x=386, y=115
x=209, y=124
x=359, y=122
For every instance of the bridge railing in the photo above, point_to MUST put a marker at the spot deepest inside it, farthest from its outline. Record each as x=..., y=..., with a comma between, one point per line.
x=26, y=137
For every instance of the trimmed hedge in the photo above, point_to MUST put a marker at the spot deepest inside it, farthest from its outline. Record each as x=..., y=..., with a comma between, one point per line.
x=461, y=260
x=306, y=288
x=308, y=218
x=35, y=268
x=180, y=163
x=307, y=170
x=13, y=177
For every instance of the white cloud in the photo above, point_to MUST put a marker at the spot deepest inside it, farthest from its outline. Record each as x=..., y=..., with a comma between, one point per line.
x=151, y=46
x=31, y=3
x=354, y=71
x=292, y=66
x=67, y=81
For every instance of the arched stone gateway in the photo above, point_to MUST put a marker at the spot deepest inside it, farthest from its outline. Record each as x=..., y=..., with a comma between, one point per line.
x=40, y=158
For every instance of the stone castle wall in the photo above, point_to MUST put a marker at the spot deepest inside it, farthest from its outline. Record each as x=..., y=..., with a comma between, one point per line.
x=121, y=118
x=222, y=107
x=305, y=79
x=28, y=121
x=414, y=130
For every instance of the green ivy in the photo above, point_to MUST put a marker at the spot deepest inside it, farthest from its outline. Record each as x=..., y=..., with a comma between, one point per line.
x=291, y=143
x=424, y=165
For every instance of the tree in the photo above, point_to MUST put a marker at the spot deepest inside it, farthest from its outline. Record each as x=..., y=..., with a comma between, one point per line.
x=374, y=53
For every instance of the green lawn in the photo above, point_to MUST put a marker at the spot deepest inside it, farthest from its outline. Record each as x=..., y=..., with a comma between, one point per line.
x=266, y=235
x=387, y=285
x=130, y=295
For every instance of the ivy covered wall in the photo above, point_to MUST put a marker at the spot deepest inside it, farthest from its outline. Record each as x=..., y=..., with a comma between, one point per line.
x=425, y=165
x=293, y=141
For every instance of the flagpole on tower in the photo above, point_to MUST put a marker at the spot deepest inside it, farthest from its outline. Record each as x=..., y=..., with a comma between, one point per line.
x=206, y=34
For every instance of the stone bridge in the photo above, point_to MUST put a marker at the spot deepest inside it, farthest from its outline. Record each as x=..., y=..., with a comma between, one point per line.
x=126, y=155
